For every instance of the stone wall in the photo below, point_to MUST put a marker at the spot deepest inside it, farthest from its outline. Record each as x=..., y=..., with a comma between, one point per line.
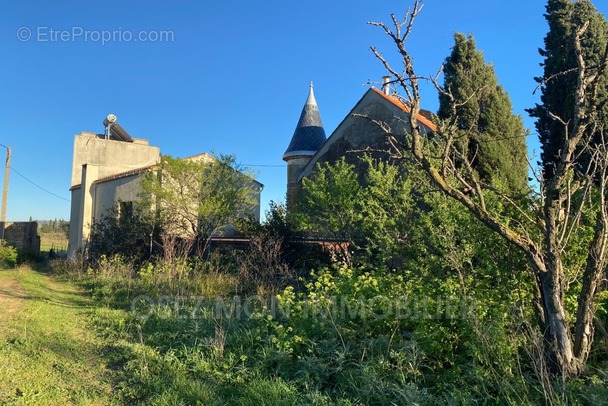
x=22, y=235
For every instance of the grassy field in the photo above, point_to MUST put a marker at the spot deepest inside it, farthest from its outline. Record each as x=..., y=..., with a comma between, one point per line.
x=63, y=345
x=56, y=240
x=162, y=334
x=48, y=354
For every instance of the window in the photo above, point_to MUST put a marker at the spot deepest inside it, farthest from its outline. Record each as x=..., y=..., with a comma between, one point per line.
x=125, y=212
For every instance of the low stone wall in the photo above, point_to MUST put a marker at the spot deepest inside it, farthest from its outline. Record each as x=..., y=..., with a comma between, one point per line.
x=22, y=235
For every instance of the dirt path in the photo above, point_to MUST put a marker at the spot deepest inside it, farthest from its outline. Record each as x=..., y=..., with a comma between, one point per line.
x=48, y=353
x=12, y=297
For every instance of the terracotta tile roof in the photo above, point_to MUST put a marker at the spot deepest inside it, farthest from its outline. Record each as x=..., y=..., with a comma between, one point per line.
x=423, y=116
x=137, y=171
x=131, y=172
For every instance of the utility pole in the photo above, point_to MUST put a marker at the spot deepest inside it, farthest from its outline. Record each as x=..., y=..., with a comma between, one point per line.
x=7, y=170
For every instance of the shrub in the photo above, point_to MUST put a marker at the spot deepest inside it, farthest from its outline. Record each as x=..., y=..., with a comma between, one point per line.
x=277, y=253
x=28, y=256
x=129, y=236
x=262, y=265
x=8, y=255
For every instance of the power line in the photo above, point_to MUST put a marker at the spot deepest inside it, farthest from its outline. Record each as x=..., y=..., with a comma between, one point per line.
x=68, y=200
x=38, y=186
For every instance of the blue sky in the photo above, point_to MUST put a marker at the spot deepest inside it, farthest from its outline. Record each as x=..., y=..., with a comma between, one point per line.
x=226, y=76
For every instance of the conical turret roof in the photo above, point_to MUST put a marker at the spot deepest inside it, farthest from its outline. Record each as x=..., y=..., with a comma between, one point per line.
x=309, y=134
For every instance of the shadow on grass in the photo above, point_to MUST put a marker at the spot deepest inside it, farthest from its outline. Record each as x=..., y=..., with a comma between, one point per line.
x=12, y=294
x=47, y=291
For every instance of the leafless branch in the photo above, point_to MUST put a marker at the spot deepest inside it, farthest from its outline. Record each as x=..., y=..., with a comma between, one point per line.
x=563, y=192
x=544, y=81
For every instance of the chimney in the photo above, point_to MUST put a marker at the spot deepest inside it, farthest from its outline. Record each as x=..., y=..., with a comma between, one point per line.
x=386, y=82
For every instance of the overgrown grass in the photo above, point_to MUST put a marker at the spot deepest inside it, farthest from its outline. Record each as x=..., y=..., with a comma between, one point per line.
x=171, y=344
x=194, y=337
x=184, y=334
x=48, y=355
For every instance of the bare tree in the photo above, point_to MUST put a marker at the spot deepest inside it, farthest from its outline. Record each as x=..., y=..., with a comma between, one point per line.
x=543, y=228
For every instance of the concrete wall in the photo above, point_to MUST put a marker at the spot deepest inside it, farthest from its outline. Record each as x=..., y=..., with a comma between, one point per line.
x=75, y=222
x=95, y=158
x=22, y=235
x=103, y=197
x=111, y=156
x=109, y=193
x=90, y=173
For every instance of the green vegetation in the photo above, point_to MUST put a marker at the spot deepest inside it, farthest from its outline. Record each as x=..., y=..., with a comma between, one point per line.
x=198, y=198
x=487, y=131
x=435, y=287
x=438, y=320
x=350, y=336
x=373, y=213
x=8, y=255
x=54, y=234
x=129, y=236
x=561, y=229
x=48, y=353
x=559, y=81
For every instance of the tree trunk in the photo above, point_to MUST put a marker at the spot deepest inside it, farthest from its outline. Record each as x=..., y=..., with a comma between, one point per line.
x=594, y=271
x=565, y=354
x=558, y=340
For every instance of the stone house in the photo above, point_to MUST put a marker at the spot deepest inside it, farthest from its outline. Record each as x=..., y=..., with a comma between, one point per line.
x=354, y=135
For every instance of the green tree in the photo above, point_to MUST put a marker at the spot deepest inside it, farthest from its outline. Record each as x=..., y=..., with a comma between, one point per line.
x=8, y=255
x=195, y=199
x=545, y=235
x=328, y=205
x=369, y=208
x=559, y=82
x=415, y=247
x=387, y=206
x=489, y=134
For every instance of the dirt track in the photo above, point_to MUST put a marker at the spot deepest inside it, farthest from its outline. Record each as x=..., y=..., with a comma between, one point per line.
x=11, y=298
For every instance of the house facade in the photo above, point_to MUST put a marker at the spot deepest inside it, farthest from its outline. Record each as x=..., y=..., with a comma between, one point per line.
x=358, y=133
x=107, y=172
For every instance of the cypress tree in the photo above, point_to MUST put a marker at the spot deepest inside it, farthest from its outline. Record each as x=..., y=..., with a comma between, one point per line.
x=489, y=134
x=559, y=81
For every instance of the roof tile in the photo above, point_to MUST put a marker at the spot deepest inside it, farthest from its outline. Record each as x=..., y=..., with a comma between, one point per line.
x=309, y=134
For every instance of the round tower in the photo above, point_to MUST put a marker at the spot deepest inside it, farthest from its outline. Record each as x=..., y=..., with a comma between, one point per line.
x=307, y=138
